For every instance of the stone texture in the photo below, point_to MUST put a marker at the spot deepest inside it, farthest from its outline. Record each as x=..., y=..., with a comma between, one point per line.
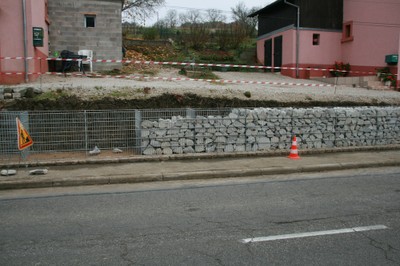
x=270, y=129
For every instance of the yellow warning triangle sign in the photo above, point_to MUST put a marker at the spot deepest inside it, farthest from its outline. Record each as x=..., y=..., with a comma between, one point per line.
x=24, y=139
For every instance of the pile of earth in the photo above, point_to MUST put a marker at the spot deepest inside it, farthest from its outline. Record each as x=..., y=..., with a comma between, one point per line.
x=165, y=100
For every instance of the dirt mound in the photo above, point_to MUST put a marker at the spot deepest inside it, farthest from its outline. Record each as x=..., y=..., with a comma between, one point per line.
x=165, y=100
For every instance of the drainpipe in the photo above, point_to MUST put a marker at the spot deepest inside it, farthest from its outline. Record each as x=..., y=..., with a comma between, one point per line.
x=25, y=40
x=297, y=36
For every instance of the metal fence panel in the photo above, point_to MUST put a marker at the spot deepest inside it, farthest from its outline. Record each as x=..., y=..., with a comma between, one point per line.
x=238, y=129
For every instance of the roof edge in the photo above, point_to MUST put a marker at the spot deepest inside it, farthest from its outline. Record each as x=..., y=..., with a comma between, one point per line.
x=277, y=2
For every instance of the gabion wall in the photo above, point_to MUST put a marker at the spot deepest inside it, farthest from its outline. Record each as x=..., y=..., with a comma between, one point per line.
x=264, y=129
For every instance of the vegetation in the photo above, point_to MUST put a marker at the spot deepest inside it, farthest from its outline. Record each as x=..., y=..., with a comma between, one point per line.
x=385, y=75
x=193, y=37
x=340, y=69
x=52, y=95
x=207, y=35
x=140, y=9
x=199, y=73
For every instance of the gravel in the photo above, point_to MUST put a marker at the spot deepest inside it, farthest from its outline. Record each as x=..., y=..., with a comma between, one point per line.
x=89, y=88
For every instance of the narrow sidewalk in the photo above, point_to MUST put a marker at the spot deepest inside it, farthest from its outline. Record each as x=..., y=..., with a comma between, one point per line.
x=197, y=168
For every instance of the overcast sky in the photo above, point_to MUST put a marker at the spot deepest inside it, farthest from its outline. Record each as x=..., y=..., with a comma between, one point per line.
x=182, y=6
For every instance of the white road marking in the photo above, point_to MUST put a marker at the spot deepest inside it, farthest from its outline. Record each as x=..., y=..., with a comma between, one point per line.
x=317, y=233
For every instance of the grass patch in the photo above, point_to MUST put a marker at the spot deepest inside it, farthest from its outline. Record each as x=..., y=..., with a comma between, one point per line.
x=199, y=74
x=52, y=95
x=119, y=94
x=113, y=72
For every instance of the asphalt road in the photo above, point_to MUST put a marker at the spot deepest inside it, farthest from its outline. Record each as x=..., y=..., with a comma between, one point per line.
x=214, y=222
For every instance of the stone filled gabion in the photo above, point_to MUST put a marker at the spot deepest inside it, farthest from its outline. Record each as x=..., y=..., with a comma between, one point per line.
x=264, y=129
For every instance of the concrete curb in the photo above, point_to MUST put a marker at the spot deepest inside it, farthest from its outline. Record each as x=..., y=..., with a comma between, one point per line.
x=208, y=174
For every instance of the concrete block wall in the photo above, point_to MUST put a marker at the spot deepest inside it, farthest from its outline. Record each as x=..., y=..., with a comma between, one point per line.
x=68, y=31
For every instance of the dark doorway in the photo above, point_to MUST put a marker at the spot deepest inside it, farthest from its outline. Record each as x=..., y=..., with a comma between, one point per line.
x=268, y=54
x=278, y=53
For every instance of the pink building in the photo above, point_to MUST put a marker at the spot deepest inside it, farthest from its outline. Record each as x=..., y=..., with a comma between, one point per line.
x=14, y=43
x=361, y=33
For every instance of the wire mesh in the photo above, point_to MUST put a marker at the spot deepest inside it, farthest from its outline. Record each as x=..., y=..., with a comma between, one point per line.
x=170, y=131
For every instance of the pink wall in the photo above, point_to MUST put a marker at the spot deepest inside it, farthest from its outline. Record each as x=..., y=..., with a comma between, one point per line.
x=288, y=44
x=376, y=26
x=327, y=52
x=318, y=56
x=398, y=68
x=11, y=24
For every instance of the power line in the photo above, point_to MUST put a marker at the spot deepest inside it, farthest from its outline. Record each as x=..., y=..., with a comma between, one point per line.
x=198, y=9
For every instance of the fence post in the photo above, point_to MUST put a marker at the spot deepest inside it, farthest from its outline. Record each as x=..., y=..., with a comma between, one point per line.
x=138, y=131
x=377, y=128
x=335, y=129
x=86, y=132
x=190, y=113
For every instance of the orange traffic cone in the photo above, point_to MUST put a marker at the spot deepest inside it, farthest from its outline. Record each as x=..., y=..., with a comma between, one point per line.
x=294, y=153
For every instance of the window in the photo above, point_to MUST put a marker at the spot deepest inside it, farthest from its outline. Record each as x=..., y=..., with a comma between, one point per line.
x=90, y=21
x=315, y=39
x=347, y=32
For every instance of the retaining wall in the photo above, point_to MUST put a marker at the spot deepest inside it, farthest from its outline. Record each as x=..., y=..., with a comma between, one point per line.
x=263, y=129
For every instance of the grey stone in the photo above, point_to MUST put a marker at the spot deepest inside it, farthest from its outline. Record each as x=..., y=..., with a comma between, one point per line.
x=116, y=150
x=8, y=172
x=178, y=150
x=147, y=124
x=167, y=151
x=155, y=143
x=95, y=151
x=38, y=172
x=149, y=151
x=199, y=148
x=240, y=148
x=165, y=144
x=229, y=148
x=275, y=140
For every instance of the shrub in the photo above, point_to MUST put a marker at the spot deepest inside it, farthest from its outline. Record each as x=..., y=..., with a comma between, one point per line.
x=150, y=34
x=340, y=69
x=385, y=75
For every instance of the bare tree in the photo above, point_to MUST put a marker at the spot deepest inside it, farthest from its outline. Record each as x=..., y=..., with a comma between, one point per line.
x=195, y=33
x=240, y=15
x=214, y=16
x=171, y=18
x=140, y=9
x=148, y=4
x=191, y=17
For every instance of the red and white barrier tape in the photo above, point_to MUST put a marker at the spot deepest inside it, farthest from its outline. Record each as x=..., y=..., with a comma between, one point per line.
x=125, y=61
x=173, y=79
